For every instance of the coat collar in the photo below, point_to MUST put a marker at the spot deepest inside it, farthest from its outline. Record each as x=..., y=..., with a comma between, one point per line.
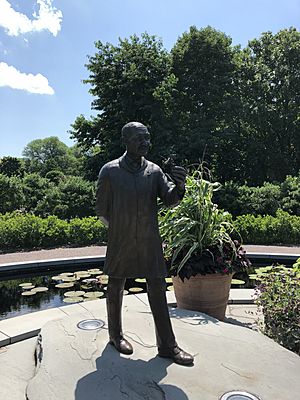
x=123, y=162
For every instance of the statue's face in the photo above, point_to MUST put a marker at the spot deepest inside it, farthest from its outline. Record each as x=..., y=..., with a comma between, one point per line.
x=139, y=142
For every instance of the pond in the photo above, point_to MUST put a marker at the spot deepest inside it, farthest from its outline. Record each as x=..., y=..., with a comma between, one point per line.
x=28, y=292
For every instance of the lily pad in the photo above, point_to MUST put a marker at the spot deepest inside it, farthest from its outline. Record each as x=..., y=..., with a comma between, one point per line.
x=140, y=280
x=40, y=289
x=125, y=292
x=72, y=299
x=168, y=280
x=170, y=288
x=135, y=289
x=28, y=287
x=64, y=285
x=81, y=276
x=28, y=293
x=68, y=279
x=67, y=273
x=79, y=272
x=237, y=282
x=77, y=293
x=57, y=278
x=93, y=294
x=94, y=271
x=25, y=284
x=103, y=280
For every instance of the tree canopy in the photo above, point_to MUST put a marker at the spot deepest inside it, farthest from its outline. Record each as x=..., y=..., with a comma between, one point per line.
x=238, y=106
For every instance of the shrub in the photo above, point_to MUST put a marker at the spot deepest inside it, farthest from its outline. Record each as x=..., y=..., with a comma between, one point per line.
x=77, y=197
x=26, y=231
x=87, y=231
x=279, y=299
x=238, y=200
x=73, y=197
x=290, y=193
x=267, y=230
x=20, y=231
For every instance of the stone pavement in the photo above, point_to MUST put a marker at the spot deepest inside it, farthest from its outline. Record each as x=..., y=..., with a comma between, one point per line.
x=79, y=365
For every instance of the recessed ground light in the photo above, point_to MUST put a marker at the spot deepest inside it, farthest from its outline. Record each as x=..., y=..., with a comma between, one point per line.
x=90, y=324
x=239, y=395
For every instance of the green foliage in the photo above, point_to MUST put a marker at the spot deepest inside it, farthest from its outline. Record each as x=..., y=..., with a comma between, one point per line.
x=34, y=189
x=269, y=84
x=11, y=166
x=55, y=176
x=77, y=197
x=84, y=231
x=44, y=155
x=239, y=107
x=72, y=197
x=26, y=231
x=238, y=200
x=197, y=233
x=260, y=200
x=279, y=298
x=290, y=193
x=65, y=197
x=281, y=229
x=11, y=193
x=129, y=81
x=18, y=231
x=203, y=62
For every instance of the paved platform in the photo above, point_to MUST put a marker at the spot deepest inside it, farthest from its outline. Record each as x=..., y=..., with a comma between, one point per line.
x=228, y=356
x=79, y=365
x=13, y=330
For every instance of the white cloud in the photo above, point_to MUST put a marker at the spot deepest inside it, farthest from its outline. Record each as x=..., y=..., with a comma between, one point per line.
x=11, y=77
x=16, y=23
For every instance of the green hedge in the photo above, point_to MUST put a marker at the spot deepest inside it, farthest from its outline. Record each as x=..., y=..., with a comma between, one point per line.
x=267, y=230
x=27, y=231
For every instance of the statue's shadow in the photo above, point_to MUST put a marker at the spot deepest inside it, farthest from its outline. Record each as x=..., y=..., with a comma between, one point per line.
x=119, y=378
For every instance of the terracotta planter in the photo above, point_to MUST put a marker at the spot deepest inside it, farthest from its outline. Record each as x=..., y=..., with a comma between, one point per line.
x=205, y=293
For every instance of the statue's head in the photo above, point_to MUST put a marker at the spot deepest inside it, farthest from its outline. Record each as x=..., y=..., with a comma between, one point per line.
x=136, y=138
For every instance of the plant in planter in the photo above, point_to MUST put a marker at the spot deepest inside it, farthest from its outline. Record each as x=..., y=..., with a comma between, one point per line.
x=199, y=249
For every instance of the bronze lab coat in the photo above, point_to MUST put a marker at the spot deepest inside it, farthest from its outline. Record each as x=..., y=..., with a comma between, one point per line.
x=128, y=200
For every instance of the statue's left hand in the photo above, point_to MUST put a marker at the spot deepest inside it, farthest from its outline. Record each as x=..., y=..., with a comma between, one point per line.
x=179, y=176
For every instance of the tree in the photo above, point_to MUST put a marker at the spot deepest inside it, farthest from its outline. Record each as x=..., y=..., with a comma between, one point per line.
x=11, y=194
x=34, y=189
x=130, y=82
x=203, y=62
x=270, y=91
x=11, y=166
x=44, y=155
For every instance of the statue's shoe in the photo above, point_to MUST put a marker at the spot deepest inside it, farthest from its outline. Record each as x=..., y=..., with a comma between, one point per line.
x=176, y=354
x=122, y=345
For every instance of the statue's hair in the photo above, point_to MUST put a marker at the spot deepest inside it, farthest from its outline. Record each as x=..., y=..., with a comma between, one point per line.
x=129, y=129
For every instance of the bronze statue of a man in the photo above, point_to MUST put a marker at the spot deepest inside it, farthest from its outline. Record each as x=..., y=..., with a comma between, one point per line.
x=127, y=194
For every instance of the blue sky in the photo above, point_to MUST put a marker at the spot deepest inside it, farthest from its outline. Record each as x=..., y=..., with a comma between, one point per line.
x=44, y=45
